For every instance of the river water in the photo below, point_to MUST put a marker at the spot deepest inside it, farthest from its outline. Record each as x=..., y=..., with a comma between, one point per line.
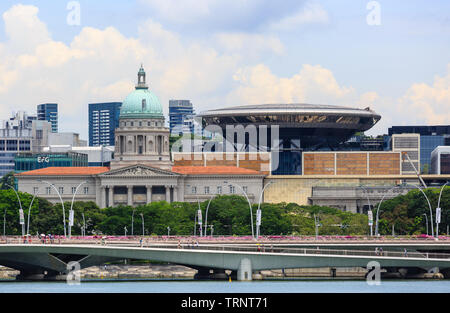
x=266, y=286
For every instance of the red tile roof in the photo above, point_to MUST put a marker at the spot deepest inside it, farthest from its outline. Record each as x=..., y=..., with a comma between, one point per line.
x=65, y=171
x=214, y=170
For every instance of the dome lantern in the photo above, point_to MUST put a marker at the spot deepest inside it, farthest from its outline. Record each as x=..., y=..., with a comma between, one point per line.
x=141, y=103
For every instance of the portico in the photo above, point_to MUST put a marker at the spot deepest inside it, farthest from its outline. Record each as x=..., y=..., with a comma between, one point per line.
x=139, y=185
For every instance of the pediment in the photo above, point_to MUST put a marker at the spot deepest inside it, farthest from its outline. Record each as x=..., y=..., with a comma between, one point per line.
x=139, y=171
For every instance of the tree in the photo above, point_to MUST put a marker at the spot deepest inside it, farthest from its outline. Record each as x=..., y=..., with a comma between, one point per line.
x=6, y=181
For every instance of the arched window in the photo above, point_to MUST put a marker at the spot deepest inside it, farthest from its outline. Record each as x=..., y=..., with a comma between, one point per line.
x=144, y=104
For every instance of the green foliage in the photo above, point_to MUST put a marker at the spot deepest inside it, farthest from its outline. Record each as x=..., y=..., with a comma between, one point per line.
x=407, y=212
x=230, y=215
x=6, y=181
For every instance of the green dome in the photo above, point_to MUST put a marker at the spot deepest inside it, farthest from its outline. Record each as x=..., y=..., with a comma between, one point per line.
x=141, y=103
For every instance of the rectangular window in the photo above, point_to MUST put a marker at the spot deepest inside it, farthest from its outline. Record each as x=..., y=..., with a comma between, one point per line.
x=35, y=190
x=194, y=190
x=86, y=190
x=61, y=190
x=219, y=190
x=48, y=190
x=245, y=188
x=232, y=190
x=74, y=189
x=207, y=190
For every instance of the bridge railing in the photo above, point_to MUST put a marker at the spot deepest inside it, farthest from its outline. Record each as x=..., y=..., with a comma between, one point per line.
x=309, y=251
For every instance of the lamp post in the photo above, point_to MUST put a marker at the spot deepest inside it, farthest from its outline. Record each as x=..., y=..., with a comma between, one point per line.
x=206, y=214
x=431, y=210
x=378, y=209
x=132, y=223
x=249, y=205
x=84, y=225
x=71, y=213
x=143, y=233
x=29, y=210
x=258, y=212
x=21, y=217
x=62, y=203
x=369, y=213
x=438, y=210
x=168, y=231
x=4, y=223
x=426, y=221
x=198, y=219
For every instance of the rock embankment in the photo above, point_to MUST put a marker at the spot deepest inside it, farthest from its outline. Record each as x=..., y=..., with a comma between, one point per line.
x=170, y=271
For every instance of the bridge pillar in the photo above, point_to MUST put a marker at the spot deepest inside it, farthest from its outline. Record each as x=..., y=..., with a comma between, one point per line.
x=33, y=276
x=202, y=273
x=245, y=272
x=219, y=274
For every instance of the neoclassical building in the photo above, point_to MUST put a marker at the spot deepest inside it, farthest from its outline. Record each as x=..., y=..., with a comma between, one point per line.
x=141, y=171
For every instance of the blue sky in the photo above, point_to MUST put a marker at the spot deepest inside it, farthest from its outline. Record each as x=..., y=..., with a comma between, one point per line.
x=219, y=53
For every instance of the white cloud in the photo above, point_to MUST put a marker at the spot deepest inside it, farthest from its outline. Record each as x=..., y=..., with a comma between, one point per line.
x=312, y=13
x=312, y=84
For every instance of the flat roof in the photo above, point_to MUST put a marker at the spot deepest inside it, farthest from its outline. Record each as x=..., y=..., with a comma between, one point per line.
x=293, y=108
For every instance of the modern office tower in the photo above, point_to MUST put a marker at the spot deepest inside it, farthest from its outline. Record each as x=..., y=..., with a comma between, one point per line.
x=181, y=117
x=440, y=160
x=48, y=112
x=15, y=137
x=430, y=138
x=103, y=121
x=410, y=144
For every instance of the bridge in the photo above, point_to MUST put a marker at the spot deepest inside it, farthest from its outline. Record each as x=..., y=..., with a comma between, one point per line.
x=51, y=261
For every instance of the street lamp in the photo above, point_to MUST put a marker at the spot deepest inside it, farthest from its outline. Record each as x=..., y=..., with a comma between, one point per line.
x=21, y=218
x=258, y=212
x=369, y=213
x=62, y=203
x=249, y=205
x=431, y=210
x=206, y=214
x=316, y=225
x=71, y=213
x=29, y=210
x=198, y=219
x=379, y=206
x=143, y=233
x=426, y=221
x=84, y=225
x=132, y=223
x=438, y=210
x=168, y=231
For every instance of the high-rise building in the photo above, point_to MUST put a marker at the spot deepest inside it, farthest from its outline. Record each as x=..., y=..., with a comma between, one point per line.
x=408, y=144
x=440, y=160
x=103, y=121
x=15, y=137
x=48, y=112
x=430, y=138
x=181, y=117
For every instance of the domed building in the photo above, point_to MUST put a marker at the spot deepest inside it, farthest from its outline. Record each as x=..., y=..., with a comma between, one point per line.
x=141, y=171
x=142, y=137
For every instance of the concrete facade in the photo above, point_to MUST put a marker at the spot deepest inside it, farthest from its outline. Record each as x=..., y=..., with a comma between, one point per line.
x=139, y=185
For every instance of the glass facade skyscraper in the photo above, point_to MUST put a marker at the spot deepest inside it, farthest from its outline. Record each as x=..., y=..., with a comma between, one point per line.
x=103, y=121
x=430, y=137
x=181, y=117
x=48, y=112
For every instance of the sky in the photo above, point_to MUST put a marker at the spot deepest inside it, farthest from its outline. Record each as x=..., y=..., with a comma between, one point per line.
x=391, y=56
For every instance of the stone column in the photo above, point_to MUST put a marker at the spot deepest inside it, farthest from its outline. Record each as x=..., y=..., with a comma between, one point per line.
x=175, y=194
x=111, y=196
x=103, y=197
x=168, y=194
x=149, y=194
x=130, y=195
